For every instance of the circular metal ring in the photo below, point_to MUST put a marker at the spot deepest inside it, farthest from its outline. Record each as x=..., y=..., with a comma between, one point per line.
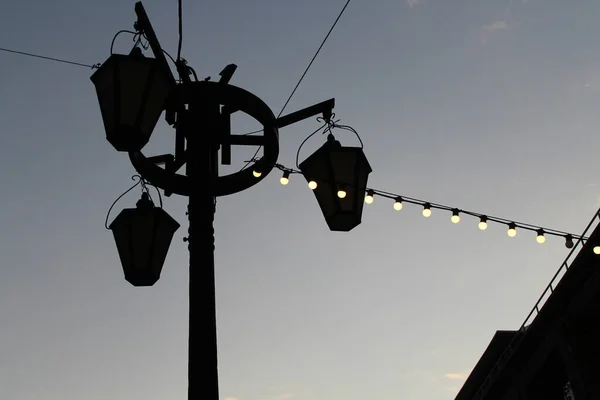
x=234, y=98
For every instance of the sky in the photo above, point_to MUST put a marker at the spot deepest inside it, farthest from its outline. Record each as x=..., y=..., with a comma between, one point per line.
x=488, y=106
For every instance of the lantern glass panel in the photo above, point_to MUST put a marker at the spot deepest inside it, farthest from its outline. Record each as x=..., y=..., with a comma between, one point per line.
x=143, y=237
x=131, y=91
x=334, y=167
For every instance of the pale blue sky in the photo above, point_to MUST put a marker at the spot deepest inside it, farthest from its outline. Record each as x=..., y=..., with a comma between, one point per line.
x=490, y=106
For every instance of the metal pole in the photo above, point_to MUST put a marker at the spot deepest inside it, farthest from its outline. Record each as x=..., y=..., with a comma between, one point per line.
x=200, y=131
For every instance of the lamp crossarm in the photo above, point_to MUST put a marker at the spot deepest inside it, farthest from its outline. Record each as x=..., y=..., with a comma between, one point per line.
x=325, y=107
x=143, y=25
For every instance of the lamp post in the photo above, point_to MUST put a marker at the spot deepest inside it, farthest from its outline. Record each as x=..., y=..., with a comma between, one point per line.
x=133, y=91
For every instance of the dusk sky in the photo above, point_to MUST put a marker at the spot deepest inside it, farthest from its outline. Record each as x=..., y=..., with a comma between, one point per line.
x=488, y=106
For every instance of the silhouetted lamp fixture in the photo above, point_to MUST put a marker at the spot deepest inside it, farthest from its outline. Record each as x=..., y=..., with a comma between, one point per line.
x=427, y=210
x=143, y=236
x=332, y=169
x=132, y=91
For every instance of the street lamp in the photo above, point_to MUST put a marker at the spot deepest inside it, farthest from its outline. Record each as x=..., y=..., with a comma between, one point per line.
x=143, y=236
x=131, y=90
x=341, y=175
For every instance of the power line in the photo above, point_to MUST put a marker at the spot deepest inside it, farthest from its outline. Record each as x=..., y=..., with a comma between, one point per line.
x=305, y=72
x=313, y=59
x=50, y=58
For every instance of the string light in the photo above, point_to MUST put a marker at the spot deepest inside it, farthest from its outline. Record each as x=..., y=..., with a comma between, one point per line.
x=257, y=172
x=369, y=197
x=427, y=210
x=597, y=250
x=569, y=241
x=483, y=223
x=285, y=179
x=398, y=203
x=455, y=218
x=512, y=230
x=540, y=236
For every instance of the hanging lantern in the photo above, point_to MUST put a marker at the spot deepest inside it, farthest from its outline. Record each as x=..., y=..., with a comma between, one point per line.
x=143, y=236
x=339, y=176
x=132, y=91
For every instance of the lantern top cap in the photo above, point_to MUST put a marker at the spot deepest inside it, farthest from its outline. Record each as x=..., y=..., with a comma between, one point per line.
x=332, y=142
x=135, y=56
x=144, y=203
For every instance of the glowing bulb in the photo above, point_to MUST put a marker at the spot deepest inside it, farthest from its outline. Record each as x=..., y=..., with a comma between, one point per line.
x=569, y=242
x=312, y=185
x=540, y=236
x=427, y=210
x=483, y=223
x=369, y=197
x=512, y=230
x=256, y=173
x=597, y=250
x=285, y=179
x=398, y=204
x=455, y=218
x=341, y=194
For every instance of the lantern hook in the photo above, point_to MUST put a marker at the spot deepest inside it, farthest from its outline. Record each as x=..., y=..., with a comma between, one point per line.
x=323, y=128
x=145, y=193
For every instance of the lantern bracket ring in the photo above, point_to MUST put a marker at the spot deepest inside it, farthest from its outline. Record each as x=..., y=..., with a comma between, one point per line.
x=230, y=98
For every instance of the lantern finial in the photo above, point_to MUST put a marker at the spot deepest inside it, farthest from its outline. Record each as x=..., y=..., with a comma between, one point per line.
x=145, y=202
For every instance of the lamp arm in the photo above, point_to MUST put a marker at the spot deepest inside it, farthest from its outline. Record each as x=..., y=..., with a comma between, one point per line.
x=143, y=25
x=325, y=107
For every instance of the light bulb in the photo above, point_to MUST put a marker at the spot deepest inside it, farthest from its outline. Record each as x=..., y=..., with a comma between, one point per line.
x=256, y=173
x=369, y=197
x=540, y=236
x=455, y=218
x=398, y=204
x=341, y=194
x=597, y=250
x=512, y=230
x=312, y=185
x=285, y=179
x=569, y=242
x=427, y=210
x=483, y=223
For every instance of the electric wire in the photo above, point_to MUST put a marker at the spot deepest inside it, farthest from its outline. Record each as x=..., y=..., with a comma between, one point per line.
x=305, y=72
x=91, y=66
x=314, y=58
x=180, y=14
